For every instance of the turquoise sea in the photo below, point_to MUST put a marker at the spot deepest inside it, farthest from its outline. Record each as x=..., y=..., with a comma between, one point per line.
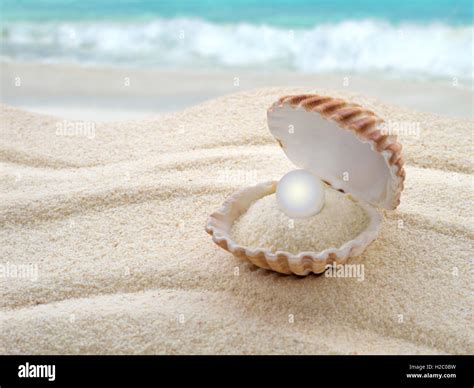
x=408, y=38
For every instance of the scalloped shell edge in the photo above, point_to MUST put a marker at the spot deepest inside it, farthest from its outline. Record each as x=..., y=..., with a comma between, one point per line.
x=219, y=225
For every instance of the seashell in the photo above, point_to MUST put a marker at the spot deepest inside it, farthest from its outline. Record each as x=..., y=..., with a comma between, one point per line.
x=342, y=143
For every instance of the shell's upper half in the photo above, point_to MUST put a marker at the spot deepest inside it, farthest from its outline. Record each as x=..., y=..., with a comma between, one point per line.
x=343, y=143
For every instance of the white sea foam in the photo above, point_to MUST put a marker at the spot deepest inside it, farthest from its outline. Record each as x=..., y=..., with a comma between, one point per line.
x=350, y=46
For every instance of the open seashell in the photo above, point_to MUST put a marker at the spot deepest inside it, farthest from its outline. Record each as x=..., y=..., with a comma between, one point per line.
x=342, y=143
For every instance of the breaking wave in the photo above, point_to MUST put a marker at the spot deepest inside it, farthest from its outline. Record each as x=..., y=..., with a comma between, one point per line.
x=353, y=46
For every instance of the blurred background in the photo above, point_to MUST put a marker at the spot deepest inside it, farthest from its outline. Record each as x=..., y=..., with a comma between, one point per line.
x=116, y=59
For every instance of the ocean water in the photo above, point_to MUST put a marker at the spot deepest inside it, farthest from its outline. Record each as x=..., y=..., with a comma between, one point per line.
x=419, y=38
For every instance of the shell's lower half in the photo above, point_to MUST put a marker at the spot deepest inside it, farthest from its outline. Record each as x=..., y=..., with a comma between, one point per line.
x=219, y=226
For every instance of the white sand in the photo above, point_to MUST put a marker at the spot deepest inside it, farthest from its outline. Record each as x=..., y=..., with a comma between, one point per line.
x=115, y=225
x=264, y=225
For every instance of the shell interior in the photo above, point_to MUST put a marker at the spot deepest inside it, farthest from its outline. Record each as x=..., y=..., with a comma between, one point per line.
x=335, y=154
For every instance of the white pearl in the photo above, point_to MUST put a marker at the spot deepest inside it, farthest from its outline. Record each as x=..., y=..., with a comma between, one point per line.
x=300, y=194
